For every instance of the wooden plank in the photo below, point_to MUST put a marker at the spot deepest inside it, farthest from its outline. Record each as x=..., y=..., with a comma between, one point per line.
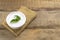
x=46, y=18
x=6, y=35
x=32, y=4
x=32, y=34
x=2, y=15
x=40, y=34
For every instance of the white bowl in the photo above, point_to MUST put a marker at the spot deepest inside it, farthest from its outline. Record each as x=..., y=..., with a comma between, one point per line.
x=20, y=23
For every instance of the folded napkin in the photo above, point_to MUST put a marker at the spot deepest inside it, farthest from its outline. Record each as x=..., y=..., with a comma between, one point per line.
x=30, y=15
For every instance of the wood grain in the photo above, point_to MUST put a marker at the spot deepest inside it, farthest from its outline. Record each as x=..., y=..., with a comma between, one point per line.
x=45, y=19
x=32, y=4
x=48, y=18
x=32, y=34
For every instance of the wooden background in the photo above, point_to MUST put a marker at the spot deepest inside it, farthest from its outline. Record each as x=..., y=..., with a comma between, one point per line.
x=46, y=25
x=33, y=4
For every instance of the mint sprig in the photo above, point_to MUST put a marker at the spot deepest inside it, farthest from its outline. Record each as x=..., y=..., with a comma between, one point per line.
x=17, y=18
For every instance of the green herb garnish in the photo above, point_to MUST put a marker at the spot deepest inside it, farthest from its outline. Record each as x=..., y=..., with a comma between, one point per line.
x=17, y=18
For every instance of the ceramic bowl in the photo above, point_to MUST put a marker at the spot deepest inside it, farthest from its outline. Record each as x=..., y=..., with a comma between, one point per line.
x=18, y=24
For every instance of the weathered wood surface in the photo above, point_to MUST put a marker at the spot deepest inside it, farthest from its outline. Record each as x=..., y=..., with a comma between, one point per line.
x=32, y=34
x=46, y=26
x=45, y=19
x=33, y=4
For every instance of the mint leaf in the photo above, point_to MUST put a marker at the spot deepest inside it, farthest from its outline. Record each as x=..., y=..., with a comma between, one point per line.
x=17, y=18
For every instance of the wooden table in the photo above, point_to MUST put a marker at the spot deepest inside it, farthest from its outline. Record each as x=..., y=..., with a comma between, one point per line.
x=46, y=26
